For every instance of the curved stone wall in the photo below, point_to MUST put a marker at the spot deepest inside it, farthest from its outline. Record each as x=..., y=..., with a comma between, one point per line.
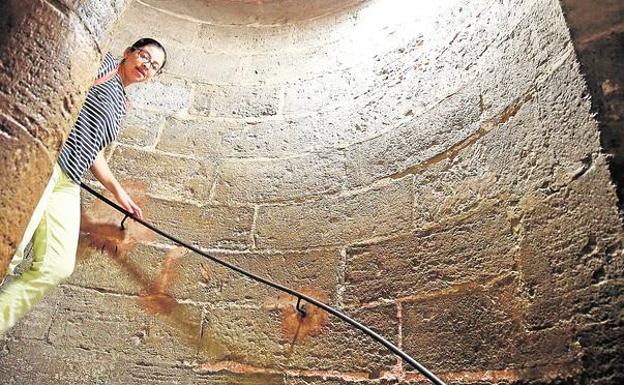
x=433, y=170
x=48, y=53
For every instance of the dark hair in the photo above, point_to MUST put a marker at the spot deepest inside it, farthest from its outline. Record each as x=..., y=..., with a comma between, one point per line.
x=149, y=41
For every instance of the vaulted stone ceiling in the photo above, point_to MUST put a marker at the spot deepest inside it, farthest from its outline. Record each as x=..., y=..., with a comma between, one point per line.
x=246, y=12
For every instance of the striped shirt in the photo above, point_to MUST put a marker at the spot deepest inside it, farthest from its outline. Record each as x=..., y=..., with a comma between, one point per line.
x=98, y=123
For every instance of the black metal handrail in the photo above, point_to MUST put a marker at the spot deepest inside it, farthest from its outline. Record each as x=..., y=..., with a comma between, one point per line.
x=424, y=371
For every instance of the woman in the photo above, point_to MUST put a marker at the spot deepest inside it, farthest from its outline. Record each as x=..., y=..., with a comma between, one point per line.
x=54, y=225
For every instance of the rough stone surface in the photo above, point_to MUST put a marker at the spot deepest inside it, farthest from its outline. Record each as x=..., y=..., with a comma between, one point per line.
x=197, y=138
x=208, y=226
x=48, y=55
x=263, y=343
x=289, y=137
x=141, y=128
x=194, y=277
x=598, y=37
x=162, y=95
x=336, y=220
x=126, y=326
x=484, y=319
x=236, y=101
x=450, y=122
x=31, y=361
x=36, y=325
x=312, y=380
x=432, y=168
x=432, y=260
x=266, y=180
x=23, y=158
x=266, y=13
x=312, y=272
x=165, y=175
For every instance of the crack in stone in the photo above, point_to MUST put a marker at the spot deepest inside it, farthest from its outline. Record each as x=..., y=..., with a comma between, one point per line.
x=101, y=290
x=67, y=12
x=449, y=154
x=586, y=166
x=485, y=282
x=252, y=233
x=587, y=163
x=485, y=128
x=38, y=141
x=587, y=40
x=59, y=6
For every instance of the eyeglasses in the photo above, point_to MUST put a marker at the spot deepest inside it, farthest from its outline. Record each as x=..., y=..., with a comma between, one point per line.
x=146, y=58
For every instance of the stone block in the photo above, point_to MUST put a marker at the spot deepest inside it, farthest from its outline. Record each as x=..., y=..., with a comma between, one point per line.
x=337, y=220
x=256, y=337
x=236, y=39
x=165, y=175
x=292, y=136
x=99, y=16
x=26, y=163
x=237, y=101
x=565, y=248
x=477, y=327
x=30, y=361
x=328, y=29
x=324, y=93
x=476, y=248
x=158, y=373
x=141, y=128
x=189, y=276
x=499, y=165
x=227, y=378
x=280, y=179
x=529, y=138
x=523, y=58
x=563, y=103
x=281, y=67
x=203, y=67
x=324, y=380
x=36, y=323
x=167, y=96
x=63, y=69
x=128, y=272
x=207, y=226
x=197, y=138
x=150, y=327
x=461, y=38
x=312, y=272
x=418, y=141
x=253, y=14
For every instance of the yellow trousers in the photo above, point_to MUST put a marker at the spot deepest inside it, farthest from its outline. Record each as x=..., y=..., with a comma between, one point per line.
x=54, y=228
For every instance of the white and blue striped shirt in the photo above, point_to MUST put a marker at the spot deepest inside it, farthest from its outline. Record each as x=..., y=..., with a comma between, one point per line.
x=98, y=123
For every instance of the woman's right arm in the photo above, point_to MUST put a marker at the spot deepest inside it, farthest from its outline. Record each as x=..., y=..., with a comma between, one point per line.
x=103, y=173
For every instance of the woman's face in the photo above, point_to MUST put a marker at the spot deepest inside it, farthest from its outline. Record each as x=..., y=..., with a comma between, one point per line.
x=140, y=64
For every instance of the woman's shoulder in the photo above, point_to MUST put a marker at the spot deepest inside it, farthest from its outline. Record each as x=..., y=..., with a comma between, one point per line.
x=108, y=64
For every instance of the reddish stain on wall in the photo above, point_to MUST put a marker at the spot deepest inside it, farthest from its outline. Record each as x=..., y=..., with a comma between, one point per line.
x=100, y=226
x=154, y=297
x=101, y=230
x=296, y=327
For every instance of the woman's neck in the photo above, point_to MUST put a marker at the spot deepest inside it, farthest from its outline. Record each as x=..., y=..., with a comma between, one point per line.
x=125, y=80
